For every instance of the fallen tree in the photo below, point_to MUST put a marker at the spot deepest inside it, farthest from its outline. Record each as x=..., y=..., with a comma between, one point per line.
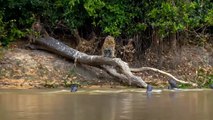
x=113, y=66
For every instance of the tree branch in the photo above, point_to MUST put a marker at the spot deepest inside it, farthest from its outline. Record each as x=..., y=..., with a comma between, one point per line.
x=162, y=72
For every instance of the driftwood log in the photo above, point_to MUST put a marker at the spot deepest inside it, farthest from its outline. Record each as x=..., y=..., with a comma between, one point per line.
x=113, y=66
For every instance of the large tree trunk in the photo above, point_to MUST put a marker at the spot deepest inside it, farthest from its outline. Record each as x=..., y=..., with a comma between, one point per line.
x=114, y=66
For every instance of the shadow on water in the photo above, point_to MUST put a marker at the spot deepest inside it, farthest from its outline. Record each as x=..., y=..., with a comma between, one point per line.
x=105, y=105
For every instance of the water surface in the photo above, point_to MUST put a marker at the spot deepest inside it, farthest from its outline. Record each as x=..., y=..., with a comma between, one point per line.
x=105, y=105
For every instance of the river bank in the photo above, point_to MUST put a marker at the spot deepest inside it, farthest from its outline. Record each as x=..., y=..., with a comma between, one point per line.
x=23, y=69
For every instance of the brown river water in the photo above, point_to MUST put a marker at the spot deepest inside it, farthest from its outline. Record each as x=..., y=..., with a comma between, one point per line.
x=108, y=104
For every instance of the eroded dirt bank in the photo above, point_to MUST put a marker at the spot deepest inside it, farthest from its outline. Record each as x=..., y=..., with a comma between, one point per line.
x=22, y=68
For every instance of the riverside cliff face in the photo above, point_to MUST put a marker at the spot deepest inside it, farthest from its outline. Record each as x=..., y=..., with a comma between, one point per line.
x=21, y=68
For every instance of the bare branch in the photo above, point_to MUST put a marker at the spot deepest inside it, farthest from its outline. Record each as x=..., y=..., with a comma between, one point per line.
x=162, y=72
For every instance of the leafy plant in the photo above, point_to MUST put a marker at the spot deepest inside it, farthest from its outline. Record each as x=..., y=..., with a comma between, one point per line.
x=9, y=32
x=205, y=76
x=124, y=18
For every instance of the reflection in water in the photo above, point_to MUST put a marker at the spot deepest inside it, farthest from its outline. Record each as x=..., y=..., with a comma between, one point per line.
x=119, y=106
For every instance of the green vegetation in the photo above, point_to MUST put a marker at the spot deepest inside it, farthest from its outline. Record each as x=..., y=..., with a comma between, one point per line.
x=205, y=77
x=124, y=18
